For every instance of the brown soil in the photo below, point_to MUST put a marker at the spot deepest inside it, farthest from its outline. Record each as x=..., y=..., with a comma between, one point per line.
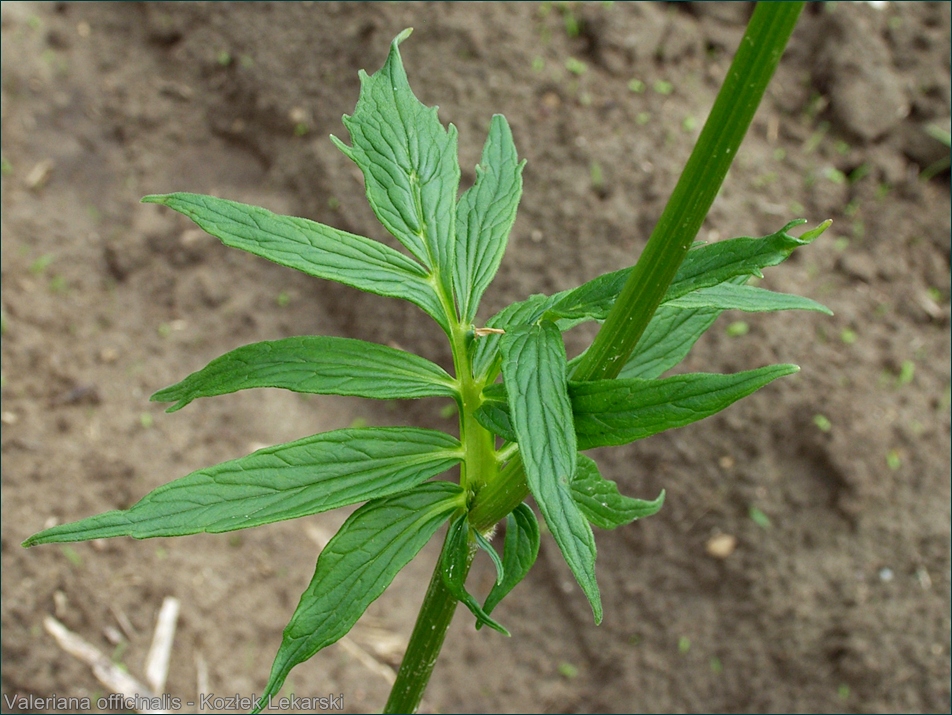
x=842, y=602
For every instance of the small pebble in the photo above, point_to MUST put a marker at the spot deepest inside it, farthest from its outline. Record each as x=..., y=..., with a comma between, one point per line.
x=108, y=355
x=720, y=546
x=551, y=100
x=39, y=174
x=113, y=635
x=59, y=604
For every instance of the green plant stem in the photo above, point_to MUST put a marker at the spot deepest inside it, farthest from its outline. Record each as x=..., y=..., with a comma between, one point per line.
x=434, y=619
x=479, y=465
x=478, y=469
x=750, y=72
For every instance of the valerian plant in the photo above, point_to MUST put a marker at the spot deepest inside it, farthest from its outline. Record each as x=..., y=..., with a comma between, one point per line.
x=521, y=436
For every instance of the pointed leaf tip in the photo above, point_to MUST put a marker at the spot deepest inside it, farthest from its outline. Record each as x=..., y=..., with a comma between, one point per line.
x=815, y=233
x=601, y=502
x=409, y=162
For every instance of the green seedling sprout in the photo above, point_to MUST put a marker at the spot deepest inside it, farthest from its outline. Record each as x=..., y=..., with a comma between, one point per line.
x=525, y=435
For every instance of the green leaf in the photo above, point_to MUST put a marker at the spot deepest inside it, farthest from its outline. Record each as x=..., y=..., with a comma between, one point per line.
x=409, y=162
x=728, y=296
x=495, y=418
x=356, y=566
x=704, y=266
x=677, y=325
x=713, y=263
x=484, y=217
x=454, y=563
x=519, y=553
x=619, y=411
x=315, y=364
x=310, y=247
x=493, y=413
x=615, y=412
x=667, y=340
x=495, y=393
x=533, y=367
x=287, y=481
x=600, y=501
x=591, y=300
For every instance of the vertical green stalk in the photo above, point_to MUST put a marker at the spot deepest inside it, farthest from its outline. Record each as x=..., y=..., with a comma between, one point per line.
x=478, y=468
x=750, y=72
x=740, y=95
x=434, y=619
x=479, y=463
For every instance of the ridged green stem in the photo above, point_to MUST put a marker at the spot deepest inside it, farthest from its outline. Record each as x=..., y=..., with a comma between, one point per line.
x=747, y=79
x=432, y=622
x=478, y=469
